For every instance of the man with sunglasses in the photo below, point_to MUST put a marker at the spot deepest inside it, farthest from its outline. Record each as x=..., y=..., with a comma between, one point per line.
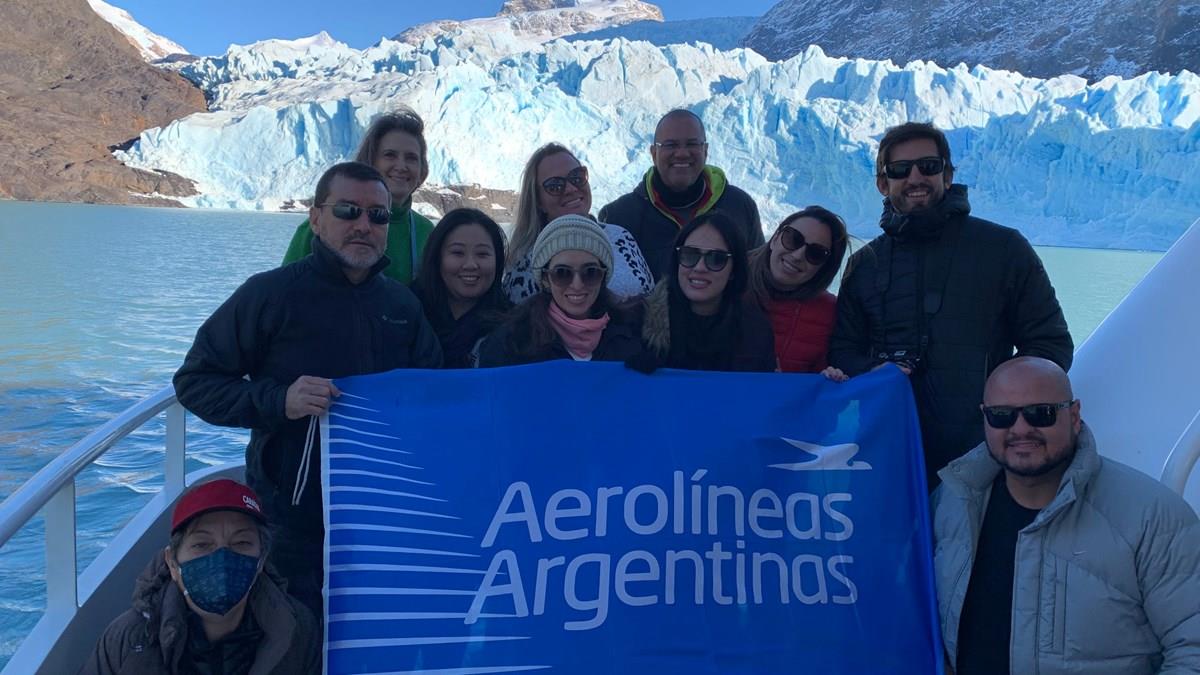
x=1052, y=559
x=679, y=187
x=267, y=357
x=942, y=294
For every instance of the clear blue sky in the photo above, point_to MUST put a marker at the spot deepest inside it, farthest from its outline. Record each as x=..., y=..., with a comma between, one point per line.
x=207, y=27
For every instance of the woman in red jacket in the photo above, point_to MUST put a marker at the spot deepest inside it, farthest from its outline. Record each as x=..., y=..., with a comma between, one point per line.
x=790, y=277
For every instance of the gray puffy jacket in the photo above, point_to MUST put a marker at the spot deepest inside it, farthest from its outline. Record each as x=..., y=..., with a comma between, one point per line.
x=1107, y=576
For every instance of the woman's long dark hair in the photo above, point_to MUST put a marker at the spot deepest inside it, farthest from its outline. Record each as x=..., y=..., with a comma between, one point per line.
x=737, y=256
x=429, y=286
x=760, y=259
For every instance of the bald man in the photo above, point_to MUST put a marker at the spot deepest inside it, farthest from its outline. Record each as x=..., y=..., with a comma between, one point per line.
x=1052, y=559
x=680, y=186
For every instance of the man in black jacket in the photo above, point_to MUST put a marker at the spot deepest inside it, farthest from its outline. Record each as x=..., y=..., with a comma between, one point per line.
x=266, y=358
x=945, y=296
x=679, y=187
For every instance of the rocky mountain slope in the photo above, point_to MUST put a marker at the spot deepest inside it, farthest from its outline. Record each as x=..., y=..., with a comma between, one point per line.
x=152, y=45
x=72, y=86
x=1089, y=38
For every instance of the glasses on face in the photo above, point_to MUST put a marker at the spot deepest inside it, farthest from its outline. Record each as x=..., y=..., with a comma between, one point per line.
x=928, y=166
x=556, y=185
x=792, y=239
x=562, y=275
x=714, y=259
x=690, y=144
x=1037, y=415
x=376, y=215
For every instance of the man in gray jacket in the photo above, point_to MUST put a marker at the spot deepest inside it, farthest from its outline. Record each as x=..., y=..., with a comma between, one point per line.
x=1052, y=559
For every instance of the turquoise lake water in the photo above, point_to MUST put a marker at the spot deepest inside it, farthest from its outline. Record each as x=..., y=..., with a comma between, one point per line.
x=98, y=305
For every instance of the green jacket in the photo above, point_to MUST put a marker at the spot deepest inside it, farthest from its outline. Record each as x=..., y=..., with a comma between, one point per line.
x=399, y=243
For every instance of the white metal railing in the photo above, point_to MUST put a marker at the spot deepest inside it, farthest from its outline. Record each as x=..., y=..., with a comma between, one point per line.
x=1182, y=460
x=53, y=488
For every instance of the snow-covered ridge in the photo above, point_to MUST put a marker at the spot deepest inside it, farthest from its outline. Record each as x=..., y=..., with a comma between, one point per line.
x=532, y=22
x=1110, y=164
x=150, y=44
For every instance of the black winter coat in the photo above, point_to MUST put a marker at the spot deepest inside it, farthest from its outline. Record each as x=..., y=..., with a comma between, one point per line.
x=152, y=636
x=305, y=318
x=655, y=232
x=749, y=339
x=961, y=292
x=619, y=341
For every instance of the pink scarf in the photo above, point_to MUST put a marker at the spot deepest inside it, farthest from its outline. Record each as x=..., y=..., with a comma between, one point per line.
x=581, y=336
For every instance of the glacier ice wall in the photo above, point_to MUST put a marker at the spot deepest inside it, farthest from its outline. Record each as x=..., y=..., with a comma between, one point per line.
x=1107, y=165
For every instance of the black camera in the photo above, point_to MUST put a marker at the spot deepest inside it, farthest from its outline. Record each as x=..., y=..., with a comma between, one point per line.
x=907, y=358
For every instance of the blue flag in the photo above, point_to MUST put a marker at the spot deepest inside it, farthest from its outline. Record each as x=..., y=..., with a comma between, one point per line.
x=584, y=518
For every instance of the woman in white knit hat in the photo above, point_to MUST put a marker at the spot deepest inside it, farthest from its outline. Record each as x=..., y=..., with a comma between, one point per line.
x=554, y=183
x=574, y=315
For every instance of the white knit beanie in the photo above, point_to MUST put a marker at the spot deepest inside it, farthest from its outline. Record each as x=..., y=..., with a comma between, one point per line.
x=572, y=233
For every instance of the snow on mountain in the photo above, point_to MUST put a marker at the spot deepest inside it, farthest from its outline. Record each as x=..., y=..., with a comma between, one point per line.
x=1090, y=38
x=150, y=44
x=722, y=33
x=1110, y=164
x=532, y=22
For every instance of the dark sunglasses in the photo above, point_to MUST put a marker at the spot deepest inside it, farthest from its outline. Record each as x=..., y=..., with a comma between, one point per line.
x=377, y=215
x=1037, y=415
x=714, y=259
x=792, y=239
x=928, y=166
x=556, y=185
x=562, y=275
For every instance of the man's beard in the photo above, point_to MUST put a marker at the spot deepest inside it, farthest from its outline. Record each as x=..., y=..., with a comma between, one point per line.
x=365, y=261
x=1051, y=463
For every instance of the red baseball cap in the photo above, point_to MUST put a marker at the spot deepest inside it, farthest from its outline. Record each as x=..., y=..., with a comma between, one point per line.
x=218, y=495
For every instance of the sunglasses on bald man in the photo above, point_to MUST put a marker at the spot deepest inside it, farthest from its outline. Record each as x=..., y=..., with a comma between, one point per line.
x=1039, y=415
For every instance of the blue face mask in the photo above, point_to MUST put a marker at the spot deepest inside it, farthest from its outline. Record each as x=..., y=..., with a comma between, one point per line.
x=219, y=580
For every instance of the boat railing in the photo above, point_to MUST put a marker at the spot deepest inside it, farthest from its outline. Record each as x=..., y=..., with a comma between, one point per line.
x=52, y=492
x=1182, y=460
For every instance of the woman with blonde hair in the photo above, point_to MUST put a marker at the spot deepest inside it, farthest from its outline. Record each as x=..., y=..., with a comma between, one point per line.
x=554, y=184
x=395, y=146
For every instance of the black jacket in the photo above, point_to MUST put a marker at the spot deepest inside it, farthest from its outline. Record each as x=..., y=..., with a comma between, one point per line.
x=960, y=292
x=152, y=636
x=655, y=231
x=749, y=340
x=305, y=318
x=619, y=341
x=460, y=337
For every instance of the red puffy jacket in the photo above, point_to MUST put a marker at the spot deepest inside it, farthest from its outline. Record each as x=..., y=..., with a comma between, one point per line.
x=802, y=330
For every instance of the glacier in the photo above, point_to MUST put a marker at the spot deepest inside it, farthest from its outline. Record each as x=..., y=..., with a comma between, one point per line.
x=1111, y=164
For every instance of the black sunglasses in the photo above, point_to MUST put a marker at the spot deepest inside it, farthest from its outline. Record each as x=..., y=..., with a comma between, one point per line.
x=928, y=166
x=563, y=275
x=556, y=185
x=1037, y=415
x=714, y=259
x=792, y=239
x=377, y=215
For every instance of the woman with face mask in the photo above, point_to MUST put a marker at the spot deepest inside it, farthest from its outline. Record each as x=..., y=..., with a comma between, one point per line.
x=208, y=603
x=395, y=146
x=553, y=184
x=789, y=279
x=574, y=315
x=696, y=318
x=459, y=283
